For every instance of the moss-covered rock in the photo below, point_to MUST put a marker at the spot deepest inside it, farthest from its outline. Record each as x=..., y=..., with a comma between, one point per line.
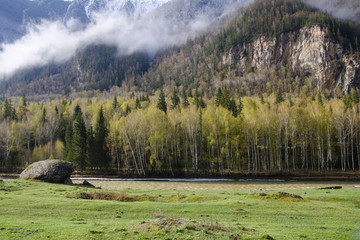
x=53, y=171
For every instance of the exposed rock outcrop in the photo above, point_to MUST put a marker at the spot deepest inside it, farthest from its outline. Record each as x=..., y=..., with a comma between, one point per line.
x=308, y=51
x=53, y=171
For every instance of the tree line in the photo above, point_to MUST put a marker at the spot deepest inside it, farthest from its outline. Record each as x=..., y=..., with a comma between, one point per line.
x=175, y=134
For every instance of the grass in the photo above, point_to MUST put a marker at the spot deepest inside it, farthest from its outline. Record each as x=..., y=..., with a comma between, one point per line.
x=36, y=210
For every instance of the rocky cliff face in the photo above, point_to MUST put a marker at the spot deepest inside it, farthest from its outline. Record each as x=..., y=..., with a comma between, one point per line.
x=307, y=51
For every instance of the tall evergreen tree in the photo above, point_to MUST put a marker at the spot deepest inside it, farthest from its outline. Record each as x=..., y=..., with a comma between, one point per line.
x=100, y=134
x=77, y=111
x=218, y=97
x=68, y=140
x=279, y=96
x=6, y=109
x=162, y=102
x=23, y=100
x=115, y=103
x=137, y=103
x=175, y=100
x=91, y=152
x=43, y=115
x=185, y=100
x=79, y=144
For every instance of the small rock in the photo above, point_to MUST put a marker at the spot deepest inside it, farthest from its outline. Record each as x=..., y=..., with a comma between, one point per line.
x=332, y=187
x=234, y=237
x=292, y=195
x=86, y=183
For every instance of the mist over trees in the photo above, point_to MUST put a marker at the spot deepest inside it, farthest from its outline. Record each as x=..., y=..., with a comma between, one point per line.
x=230, y=134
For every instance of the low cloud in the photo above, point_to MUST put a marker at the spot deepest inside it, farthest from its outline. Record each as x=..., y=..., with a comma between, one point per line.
x=58, y=42
x=345, y=9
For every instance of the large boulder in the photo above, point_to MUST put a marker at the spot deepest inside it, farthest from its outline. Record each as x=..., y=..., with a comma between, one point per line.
x=52, y=171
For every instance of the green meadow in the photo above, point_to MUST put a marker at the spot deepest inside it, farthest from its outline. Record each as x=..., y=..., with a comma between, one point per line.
x=163, y=210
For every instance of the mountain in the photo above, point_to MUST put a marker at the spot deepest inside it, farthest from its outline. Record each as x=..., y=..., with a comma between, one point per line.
x=273, y=44
x=85, y=10
x=16, y=14
x=269, y=45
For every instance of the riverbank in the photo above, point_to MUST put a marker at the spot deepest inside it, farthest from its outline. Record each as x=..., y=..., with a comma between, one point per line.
x=295, y=176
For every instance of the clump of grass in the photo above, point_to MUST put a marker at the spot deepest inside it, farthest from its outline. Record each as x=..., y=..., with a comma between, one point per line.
x=267, y=236
x=213, y=226
x=187, y=198
x=165, y=223
x=282, y=196
x=110, y=196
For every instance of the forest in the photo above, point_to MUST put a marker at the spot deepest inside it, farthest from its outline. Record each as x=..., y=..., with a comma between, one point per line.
x=185, y=133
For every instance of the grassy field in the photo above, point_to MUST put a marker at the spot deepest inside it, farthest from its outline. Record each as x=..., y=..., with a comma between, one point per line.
x=160, y=210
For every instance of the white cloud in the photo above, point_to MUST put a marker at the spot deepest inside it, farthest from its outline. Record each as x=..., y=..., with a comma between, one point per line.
x=55, y=42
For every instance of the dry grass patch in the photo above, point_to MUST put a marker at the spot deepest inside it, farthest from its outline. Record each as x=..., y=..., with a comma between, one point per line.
x=123, y=197
x=187, y=198
x=282, y=196
x=164, y=223
x=110, y=196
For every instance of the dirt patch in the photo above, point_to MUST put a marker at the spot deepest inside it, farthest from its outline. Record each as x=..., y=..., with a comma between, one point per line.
x=110, y=196
x=230, y=186
x=123, y=197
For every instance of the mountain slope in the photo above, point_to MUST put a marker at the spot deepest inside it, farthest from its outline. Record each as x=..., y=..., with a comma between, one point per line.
x=272, y=44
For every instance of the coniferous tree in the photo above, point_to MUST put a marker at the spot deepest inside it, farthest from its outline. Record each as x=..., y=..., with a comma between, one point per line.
x=77, y=111
x=199, y=100
x=241, y=106
x=127, y=109
x=233, y=108
x=68, y=141
x=78, y=143
x=91, y=155
x=354, y=96
x=202, y=103
x=101, y=132
x=162, y=102
x=23, y=100
x=225, y=99
x=279, y=97
x=43, y=115
x=114, y=103
x=175, y=100
x=319, y=98
x=218, y=97
x=7, y=109
x=190, y=93
x=262, y=99
x=185, y=100
x=137, y=103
